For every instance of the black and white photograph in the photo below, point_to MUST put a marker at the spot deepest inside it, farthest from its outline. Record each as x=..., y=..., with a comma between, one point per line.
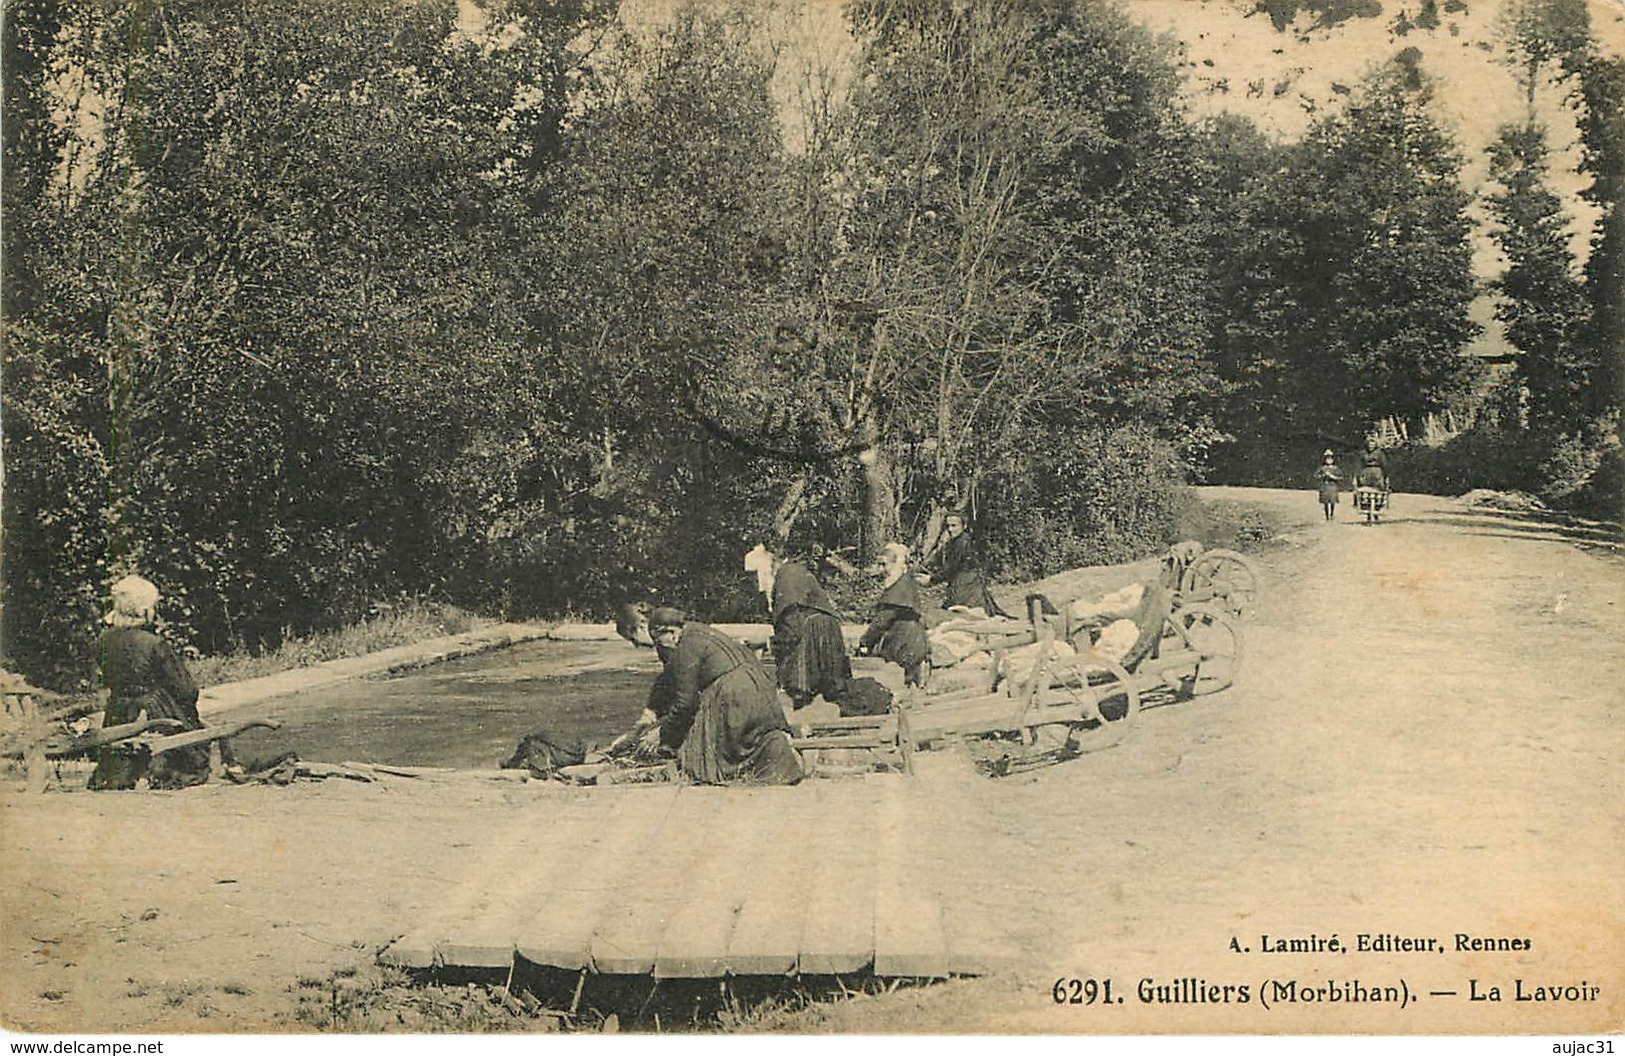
x=808, y=517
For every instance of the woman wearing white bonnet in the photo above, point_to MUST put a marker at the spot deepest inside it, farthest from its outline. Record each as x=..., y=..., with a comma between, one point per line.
x=134, y=603
x=809, y=654
x=142, y=673
x=897, y=630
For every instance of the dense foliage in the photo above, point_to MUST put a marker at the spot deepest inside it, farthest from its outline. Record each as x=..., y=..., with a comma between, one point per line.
x=269, y=321
x=1343, y=293
x=1565, y=319
x=529, y=307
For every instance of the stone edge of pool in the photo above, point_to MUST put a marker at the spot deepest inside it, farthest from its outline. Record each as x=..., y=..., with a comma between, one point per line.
x=231, y=695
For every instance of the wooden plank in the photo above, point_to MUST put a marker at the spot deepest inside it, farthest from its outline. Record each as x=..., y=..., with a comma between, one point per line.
x=546, y=835
x=766, y=937
x=973, y=950
x=838, y=926
x=160, y=745
x=851, y=722
x=909, y=937
x=845, y=741
x=629, y=930
x=110, y=735
x=979, y=941
x=606, y=870
x=501, y=858
x=749, y=825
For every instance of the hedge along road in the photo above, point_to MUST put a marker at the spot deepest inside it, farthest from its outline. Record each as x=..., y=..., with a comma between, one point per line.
x=1424, y=741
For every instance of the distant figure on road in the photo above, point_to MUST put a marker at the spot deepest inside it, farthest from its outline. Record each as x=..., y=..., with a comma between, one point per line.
x=1373, y=466
x=1329, y=478
x=717, y=708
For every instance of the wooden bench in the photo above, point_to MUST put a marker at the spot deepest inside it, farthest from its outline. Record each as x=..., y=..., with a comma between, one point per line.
x=885, y=735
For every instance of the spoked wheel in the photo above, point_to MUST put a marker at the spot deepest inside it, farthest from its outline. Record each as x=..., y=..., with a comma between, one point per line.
x=1215, y=637
x=1110, y=702
x=1224, y=578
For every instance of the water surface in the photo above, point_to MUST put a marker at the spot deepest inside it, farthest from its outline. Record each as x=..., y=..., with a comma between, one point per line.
x=466, y=713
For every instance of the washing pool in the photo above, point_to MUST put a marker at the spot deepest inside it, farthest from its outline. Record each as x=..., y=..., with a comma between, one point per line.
x=466, y=713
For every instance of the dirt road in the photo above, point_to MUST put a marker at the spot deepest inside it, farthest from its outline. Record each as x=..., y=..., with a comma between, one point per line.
x=1424, y=743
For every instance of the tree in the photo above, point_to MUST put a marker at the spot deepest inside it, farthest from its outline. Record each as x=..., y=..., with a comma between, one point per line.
x=1001, y=247
x=661, y=260
x=1544, y=307
x=283, y=299
x=1251, y=241
x=1581, y=377
x=1542, y=38
x=1360, y=274
x=1602, y=128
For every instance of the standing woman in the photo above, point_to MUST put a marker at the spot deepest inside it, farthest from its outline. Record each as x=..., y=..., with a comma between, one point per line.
x=808, y=649
x=897, y=630
x=718, y=710
x=1373, y=466
x=142, y=674
x=1329, y=478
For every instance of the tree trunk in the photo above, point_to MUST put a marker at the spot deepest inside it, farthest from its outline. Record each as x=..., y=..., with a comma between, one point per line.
x=880, y=520
x=790, y=507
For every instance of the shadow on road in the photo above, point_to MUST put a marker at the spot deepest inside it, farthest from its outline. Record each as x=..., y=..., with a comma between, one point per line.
x=1591, y=535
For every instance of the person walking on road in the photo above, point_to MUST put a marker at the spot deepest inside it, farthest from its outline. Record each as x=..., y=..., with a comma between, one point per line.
x=1329, y=478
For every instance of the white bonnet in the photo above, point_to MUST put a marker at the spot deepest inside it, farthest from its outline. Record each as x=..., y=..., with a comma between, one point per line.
x=135, y=600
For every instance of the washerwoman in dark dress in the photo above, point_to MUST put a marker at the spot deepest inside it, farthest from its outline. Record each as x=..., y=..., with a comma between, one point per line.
x=897, y=628
x=142, y=673
x=808, y=649
x=717, y=707
x=962, y=570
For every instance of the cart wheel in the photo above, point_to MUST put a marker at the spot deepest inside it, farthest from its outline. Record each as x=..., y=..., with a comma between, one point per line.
x=1111, y=701
x=1224, y=577
x=1216, y=638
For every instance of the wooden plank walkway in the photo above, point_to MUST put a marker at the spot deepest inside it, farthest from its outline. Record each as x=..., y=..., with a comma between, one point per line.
x=694, y=882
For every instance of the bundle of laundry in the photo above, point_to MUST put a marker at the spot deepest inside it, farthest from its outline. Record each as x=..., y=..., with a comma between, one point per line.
x=1019, y=663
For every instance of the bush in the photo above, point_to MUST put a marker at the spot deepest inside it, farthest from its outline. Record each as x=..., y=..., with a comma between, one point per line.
x=1481, y=457
x=1584, y=471
x=57, y=513
x=388, y=625
x=1272, y=462
x=1101, y=496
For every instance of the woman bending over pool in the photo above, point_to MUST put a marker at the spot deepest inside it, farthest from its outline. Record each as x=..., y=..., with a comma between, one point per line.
x=721, y=713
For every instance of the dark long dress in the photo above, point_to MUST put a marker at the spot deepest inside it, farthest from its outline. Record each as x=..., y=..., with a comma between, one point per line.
x=967, y=584
x=142, y=673
x=897, y=631
x=808, y=649
x=722, y=714
x=663, y=693
x=1374, y=470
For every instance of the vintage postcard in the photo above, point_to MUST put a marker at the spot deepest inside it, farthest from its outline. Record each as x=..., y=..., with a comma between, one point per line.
x=1034, y=517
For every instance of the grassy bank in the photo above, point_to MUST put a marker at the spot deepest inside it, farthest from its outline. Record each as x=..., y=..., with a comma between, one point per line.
x=1239, y=523
x=400, y=624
